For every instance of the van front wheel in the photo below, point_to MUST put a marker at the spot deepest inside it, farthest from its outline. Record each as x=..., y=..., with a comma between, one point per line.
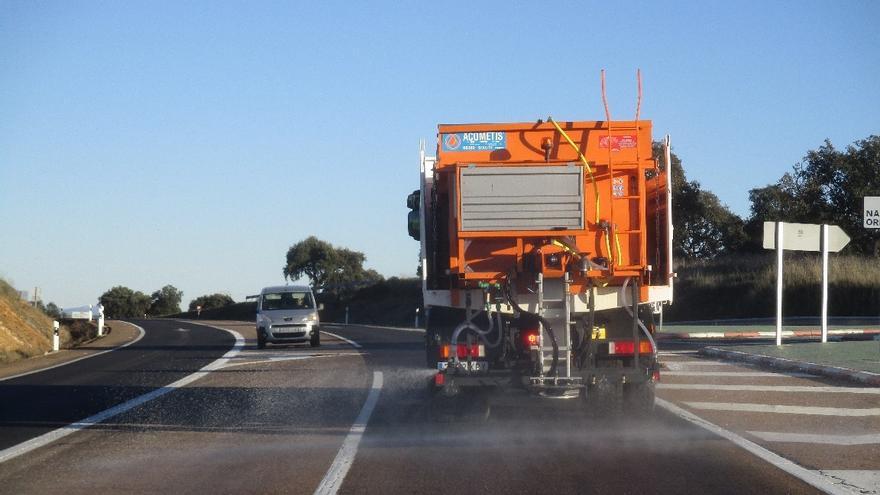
x=316, y=339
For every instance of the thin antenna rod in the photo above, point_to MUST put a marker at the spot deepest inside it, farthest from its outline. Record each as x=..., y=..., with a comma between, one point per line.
x=605, y=99
x=639, y=101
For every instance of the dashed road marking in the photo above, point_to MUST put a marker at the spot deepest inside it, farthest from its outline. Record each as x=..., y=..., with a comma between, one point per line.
x=813, y=478
x=768, y=388
x=738, y=374
x=772, y=436
x=690, y=365
x=783, y=409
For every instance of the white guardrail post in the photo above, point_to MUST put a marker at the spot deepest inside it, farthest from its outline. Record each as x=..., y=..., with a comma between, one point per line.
x=56, y=339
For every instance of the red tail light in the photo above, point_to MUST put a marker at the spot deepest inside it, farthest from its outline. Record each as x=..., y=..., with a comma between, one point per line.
x=627, y=347
x=530, y=338
x=476, y=350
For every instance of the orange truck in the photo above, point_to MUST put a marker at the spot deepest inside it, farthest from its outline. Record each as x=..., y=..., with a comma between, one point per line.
x=545, y=253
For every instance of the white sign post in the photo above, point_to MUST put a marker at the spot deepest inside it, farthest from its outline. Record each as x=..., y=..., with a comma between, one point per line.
x=871, y=215
x=803, y=237
x=100, y=308
x=780, y=242
x=56, y=339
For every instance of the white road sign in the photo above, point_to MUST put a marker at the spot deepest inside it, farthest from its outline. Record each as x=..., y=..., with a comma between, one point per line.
x=805, y=237
x=872, y=212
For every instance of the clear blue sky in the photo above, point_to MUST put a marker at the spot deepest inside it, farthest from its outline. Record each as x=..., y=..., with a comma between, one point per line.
x=191, y=143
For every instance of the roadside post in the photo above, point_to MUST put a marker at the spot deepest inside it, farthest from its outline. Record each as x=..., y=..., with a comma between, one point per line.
x=56, y=339
x=780, y=235
x=803, y=237
x=346, y=315
x=100, y=309
x=417, y=319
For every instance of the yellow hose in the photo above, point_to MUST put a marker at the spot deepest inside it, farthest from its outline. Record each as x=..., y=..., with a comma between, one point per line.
x=584, y=160
x=617, y=241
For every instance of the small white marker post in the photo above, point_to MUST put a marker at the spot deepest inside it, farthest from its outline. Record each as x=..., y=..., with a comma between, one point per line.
x=779, y=251
x=56, y=339
x=100, y=309
x=417, y=319
x=824, y=283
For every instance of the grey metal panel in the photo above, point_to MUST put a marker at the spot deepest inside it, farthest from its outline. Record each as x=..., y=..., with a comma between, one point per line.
x=522, y=198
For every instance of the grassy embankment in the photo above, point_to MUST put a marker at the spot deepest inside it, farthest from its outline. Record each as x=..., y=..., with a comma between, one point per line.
x=745, y=287
x=26, y=331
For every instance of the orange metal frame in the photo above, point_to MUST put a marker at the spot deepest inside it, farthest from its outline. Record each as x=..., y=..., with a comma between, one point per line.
x=619, y=156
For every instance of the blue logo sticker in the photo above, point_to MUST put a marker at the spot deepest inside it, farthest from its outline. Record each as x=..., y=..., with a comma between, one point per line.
x=475, y=141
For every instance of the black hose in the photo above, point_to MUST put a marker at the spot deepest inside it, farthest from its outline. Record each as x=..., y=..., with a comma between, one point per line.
x=511, y=298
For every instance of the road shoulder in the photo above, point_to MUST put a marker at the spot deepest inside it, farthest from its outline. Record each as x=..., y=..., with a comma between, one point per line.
x=121, y=333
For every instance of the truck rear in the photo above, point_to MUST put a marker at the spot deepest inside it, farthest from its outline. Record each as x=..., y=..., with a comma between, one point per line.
x=545, y=249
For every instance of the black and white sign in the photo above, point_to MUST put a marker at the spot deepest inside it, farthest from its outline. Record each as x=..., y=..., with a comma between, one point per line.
x=872, y=212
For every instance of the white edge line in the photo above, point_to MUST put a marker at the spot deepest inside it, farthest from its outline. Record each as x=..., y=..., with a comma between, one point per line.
x=809, y=477
x=345, y=457
x=47, y=438
x=399, y=329
x=141, y=334
x=340, y=337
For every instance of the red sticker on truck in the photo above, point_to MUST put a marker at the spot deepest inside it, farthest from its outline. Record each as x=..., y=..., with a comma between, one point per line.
x=618, y=142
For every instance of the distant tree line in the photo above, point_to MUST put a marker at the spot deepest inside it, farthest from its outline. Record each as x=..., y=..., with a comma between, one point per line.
x=827, y=186
x=123, y=302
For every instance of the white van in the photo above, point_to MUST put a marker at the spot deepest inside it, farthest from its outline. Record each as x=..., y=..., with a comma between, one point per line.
x=287, y=314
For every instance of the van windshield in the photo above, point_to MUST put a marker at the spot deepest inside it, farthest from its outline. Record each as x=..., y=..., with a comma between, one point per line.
x=287, y=300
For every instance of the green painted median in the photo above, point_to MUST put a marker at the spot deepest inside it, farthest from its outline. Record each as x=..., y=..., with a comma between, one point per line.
x=859, y=355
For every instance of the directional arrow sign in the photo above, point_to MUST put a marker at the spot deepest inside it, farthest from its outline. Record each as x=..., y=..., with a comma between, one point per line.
x=804, y=237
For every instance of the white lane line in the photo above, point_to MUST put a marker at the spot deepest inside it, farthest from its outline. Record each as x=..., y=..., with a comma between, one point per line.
x=340, y=337
x=345, y=457
x=675, y=353
x=690, y=365
x=811, y=477
x=139, y=337
x=772, y=436
x=738, y=373
x=277, y=359
x=768, y=388
x=859, y=481
x=781, y=409
x=47, y=438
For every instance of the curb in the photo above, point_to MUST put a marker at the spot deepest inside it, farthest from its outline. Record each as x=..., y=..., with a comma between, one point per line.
x=765, y=335
x=836, y=372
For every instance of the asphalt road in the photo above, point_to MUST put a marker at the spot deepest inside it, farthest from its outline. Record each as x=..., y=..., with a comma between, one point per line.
x=275, y=420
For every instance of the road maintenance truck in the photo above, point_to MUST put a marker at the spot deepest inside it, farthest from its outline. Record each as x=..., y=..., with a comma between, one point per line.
x=546, y=250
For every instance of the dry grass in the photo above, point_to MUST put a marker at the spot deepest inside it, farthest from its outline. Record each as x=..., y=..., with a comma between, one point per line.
x=24, y=331
x=745, y=286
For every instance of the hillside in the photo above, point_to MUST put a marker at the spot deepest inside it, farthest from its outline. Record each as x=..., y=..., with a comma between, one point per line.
x=24, y=331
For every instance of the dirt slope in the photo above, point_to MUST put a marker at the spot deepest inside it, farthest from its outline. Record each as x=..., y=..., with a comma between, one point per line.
x=24, y=331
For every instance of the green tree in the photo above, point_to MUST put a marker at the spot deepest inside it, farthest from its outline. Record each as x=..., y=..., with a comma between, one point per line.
x=122, y=302
x=328, y=268
x=52, y=310
x=165, y=301
x=704, y=228
x=208, y=301
x=827, y=186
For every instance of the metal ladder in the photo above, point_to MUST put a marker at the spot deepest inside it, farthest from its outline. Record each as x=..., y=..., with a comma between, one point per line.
x=554, y=305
